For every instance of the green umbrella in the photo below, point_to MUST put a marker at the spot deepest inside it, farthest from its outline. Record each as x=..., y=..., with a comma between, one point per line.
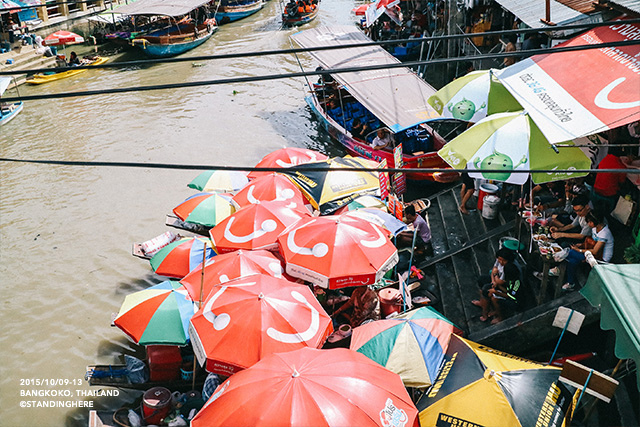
x=510, y=141
x=474, y=96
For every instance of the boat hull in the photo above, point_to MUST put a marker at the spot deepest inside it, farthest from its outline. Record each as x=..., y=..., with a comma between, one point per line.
x=299, y=20
x=362, y=149
x=228, y=14
x=7, y=117
x=39, y=78
x=164, y=46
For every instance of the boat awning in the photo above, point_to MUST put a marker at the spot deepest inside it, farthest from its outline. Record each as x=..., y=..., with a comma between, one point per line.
x=614, y=287
x=161, y=7
x=5, y=81
x=574, y=94
x=396, y=96
x=531, y=11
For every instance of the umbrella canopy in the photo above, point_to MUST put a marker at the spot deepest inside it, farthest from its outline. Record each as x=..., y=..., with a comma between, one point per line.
x=360, y=10
x=366, y=201
x=511, y=141
x=337, y=251
x=412, y=345
x=219, y=180
x=286, y=158
x=246, y=319
x=482, y=386
x=381, y=218
x=230, y=266
x=269, y=187
x=614, y=288
x=178, y=258
x=256, y=226
x=330, y=190
x=206, y=209
x=157, y=315
x=62, y=37
x=473, y=97
x=309, y=387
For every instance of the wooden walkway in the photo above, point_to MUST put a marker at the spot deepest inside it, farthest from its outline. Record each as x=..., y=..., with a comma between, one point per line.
x=464, y=248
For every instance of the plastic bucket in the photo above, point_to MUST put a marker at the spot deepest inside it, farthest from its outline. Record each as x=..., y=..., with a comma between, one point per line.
x=156, y=404
x=485, y=190
x=388, y=304
x=490, y=207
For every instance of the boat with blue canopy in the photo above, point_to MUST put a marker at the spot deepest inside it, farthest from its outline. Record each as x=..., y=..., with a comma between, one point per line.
x=233, y=10
x=391, y=99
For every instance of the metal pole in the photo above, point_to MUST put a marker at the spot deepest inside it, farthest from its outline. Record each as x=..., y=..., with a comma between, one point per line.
x=560, y=339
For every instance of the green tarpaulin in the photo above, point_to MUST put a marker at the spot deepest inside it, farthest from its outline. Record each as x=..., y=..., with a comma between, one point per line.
x=616, y=289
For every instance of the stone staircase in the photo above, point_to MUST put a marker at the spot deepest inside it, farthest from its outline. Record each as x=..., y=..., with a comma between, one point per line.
x=24, y=58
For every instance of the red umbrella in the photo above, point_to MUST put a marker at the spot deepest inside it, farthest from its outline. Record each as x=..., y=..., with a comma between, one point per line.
x=62, y=37
x=310, y=387
x=337, y=251
x=230, y=266
x=285, y=158
x=361, y=10
x=269, y=187
x=246, y=319
x=256, y=226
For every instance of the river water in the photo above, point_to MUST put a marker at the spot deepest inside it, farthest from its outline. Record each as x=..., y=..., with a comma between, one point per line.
x=66, y=232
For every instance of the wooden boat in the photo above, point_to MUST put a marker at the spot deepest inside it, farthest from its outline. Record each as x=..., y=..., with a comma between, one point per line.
x=41, y=78
x=394, y=98
x=233, y=10
x=176, y=39
x=8, y=110
x=292, y=18
x=115, y=376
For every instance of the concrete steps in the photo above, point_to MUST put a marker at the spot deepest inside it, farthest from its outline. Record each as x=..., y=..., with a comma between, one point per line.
x=24, y=58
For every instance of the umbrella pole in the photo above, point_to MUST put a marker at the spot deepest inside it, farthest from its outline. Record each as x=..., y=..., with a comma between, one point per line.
x=204, y=259
x=566, y=325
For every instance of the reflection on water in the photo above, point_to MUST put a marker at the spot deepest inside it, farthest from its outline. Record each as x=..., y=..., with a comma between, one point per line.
x=66, y=232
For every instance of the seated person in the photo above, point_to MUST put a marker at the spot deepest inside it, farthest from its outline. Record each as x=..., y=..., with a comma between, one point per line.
x=423, y=232
x=578, y=229
x=548, y=197
x=359, y=130
x=500, y=283
x=73, y=59
x=602, y=247
x=363, y=305
x=382, y=139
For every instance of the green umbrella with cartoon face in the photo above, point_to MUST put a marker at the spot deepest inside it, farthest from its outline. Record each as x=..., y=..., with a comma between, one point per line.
x=506, y=142
x=473, y=97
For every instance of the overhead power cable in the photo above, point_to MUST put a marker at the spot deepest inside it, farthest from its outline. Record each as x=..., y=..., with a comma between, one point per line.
x=305, y=168
x=312, y=73
x=320, y=48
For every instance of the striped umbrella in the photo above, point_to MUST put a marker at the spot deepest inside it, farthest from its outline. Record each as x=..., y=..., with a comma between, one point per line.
x=178, y=258
x=157, y=315
x=219, y=180
x=206, y=209
x=412, y=345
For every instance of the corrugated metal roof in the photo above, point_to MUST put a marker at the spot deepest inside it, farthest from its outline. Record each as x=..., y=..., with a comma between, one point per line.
x=633, y=5
x=582, y=6
x=531, y=11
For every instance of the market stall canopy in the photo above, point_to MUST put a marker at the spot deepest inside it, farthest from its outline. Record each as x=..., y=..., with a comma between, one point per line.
x=615, y=289
x=530, y=12
x=574, y=94
x=396, y=96
x=161, y=7
x=5, y=81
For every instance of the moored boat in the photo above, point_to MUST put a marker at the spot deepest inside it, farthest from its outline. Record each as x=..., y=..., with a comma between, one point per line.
x=8, y=110
x=233, y=10
x=394, y=99
x=41, y=78
x=299, y=13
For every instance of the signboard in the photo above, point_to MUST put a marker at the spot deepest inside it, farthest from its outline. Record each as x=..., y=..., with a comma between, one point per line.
x=399, y=181
x=573, y=94
x=598, y=385
x=384, y=181
x=562, y=316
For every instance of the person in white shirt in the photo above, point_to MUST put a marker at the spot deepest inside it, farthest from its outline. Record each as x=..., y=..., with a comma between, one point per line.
x=382, y=139
x=602, y=247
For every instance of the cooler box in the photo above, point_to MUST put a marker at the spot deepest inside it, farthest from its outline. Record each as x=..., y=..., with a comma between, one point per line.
x=164, y=362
